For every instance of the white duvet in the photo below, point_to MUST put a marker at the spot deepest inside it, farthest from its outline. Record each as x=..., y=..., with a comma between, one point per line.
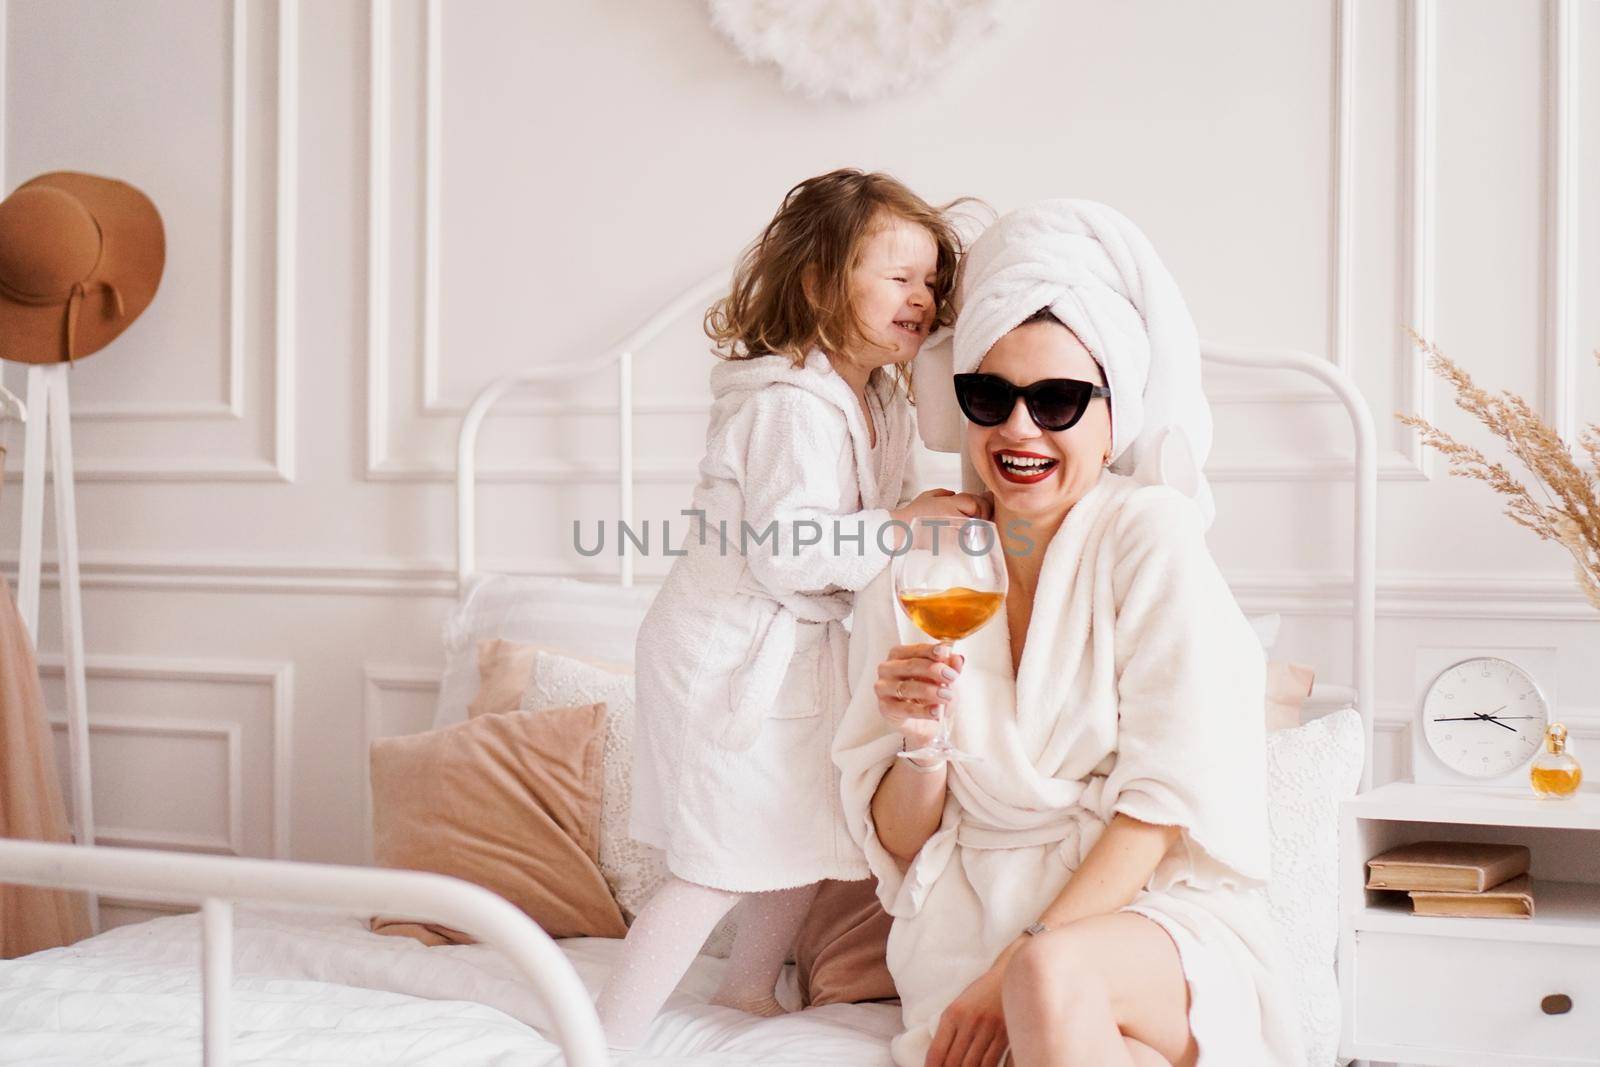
x=320, y=989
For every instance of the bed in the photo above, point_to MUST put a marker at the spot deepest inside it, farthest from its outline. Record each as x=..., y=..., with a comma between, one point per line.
x=288, y=971
x=130, y=996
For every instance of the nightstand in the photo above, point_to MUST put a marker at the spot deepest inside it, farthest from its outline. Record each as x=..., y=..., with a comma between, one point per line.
x=1459, y=992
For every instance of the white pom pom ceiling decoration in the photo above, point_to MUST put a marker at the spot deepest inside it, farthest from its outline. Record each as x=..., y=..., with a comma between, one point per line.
x=857, y=49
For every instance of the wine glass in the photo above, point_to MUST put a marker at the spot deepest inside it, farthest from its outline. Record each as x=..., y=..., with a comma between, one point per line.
x=950, y=580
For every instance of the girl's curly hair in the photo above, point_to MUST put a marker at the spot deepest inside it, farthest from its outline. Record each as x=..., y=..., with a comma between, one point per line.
x=821, y=226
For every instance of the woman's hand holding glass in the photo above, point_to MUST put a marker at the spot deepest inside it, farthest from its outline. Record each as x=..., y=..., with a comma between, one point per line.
x=914, y=681
x=950, y=581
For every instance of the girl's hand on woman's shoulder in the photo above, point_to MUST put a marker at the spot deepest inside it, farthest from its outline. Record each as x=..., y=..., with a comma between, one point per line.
x=946, y=504
x=913, y=680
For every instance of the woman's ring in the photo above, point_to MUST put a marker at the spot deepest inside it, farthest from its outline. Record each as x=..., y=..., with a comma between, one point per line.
x=900, y=685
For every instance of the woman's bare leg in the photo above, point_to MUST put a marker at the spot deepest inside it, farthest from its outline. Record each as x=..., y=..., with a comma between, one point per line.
x=768, y=924
x=1074, y=995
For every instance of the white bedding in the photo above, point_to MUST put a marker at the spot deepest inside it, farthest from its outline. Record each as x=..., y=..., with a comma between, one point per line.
x=322, y=989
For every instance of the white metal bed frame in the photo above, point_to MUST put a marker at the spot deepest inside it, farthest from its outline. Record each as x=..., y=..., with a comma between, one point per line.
x=218, y=883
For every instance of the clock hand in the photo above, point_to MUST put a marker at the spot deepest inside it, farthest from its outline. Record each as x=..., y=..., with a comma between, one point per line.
x=1481, y=714
x=1476, y=718
x=1497, y=722
x=1492, y=715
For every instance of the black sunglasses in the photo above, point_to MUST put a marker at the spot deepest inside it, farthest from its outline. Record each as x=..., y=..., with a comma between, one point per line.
x=1054, y=403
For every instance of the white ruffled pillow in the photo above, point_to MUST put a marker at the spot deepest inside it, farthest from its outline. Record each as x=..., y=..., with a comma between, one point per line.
x=594, y=620
x=633, y=869
x=1310, y=770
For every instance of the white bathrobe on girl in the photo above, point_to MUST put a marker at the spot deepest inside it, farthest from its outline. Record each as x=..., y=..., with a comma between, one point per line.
x=741, y=658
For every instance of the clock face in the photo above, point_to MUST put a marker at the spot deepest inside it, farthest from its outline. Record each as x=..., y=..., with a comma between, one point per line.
x=1484, y=717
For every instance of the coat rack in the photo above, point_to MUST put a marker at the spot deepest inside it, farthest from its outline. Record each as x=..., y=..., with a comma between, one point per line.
x=84, y=256
x=50, y=419
x=11, y=407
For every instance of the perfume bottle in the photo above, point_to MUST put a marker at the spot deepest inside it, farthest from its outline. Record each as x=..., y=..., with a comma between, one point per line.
x=1555, y=773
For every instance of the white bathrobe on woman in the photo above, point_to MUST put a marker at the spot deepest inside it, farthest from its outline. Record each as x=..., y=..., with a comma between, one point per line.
x=1140, y=691
x=741, y=659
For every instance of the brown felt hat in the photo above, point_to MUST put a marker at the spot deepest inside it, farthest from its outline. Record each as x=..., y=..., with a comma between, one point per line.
x=80, y=258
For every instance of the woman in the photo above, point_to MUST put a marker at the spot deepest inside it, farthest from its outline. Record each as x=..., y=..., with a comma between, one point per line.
x=1087, y=892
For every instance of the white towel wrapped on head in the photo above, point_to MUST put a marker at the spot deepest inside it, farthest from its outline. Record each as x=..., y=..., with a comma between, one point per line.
x=1097, y=273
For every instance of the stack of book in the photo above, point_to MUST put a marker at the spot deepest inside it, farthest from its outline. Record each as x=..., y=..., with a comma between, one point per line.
x=1458, y=878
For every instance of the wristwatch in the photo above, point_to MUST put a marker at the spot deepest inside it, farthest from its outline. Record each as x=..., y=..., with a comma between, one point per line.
x=1036, y=928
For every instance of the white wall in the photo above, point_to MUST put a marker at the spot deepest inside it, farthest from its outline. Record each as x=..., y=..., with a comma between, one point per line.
x=266, y=523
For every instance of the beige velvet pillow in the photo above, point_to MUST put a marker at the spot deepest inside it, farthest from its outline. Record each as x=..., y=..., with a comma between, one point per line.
x=510, y=802
x=839, y=954
x=504, y=670
x=1288, y=686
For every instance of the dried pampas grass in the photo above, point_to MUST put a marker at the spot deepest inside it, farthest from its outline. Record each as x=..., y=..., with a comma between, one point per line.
x=1569, y=513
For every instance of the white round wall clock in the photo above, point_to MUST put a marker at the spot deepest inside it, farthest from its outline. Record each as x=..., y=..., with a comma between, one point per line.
x=1482, y=720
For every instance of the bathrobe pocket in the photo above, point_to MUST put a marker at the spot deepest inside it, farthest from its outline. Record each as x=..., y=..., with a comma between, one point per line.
x=778, y=679
x=799, y=694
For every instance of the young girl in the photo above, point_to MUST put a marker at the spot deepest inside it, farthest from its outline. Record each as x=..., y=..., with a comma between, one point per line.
x=741, y=659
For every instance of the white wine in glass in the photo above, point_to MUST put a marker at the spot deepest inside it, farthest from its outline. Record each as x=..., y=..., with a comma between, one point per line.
x=950, y=581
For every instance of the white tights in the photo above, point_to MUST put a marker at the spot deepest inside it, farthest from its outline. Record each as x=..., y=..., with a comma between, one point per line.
x=668, y=933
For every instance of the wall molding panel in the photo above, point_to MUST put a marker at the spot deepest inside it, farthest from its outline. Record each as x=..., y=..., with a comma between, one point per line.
x=1511, y=596
x=276, y=677
x=286, y=305
x=432, y=211
x=232, y=404
x=154, y=573
x=380, y=109
x=279, y=467
x=1407, y=464
x=380, y=237
x=1416, y=392
x=229, y=844
x=380, y=466
x=1561, y=210
x=1222, y=468
x=1342, y=245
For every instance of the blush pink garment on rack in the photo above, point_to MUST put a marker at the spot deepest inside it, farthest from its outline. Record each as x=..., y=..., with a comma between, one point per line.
x=31, y=806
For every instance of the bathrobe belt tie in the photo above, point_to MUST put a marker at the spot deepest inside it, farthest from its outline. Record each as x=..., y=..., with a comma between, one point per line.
x=1067, y=825
x=753, y=689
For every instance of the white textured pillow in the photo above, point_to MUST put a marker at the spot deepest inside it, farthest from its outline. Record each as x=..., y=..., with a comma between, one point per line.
x=633, y=869
x=1310, y=770
x=597, y=621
